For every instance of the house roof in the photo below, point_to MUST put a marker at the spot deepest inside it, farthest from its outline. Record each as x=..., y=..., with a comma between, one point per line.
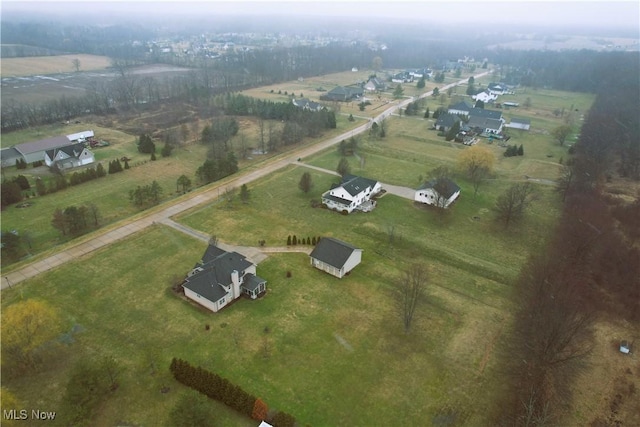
x=484, y=123
x=447, y=120
x=306, y=103
x=72, y=150
x=461, y=106
x=481, y=112
x=356, y=184
x=449, y=186
x=216, y=271
x=8, y=154
x=42, y=145
x=333, y=252
x=519, y=120
x=336, y=199
x=252, y=282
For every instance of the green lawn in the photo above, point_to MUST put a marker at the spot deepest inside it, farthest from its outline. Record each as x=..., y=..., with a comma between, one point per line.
x=332, y=344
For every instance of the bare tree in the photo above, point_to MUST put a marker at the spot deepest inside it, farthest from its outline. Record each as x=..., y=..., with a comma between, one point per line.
x=410, y=292
x=76, y=64
x=511, y=205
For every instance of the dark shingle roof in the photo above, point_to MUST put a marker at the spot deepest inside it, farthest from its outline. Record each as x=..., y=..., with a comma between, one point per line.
x=518, y=120
x=461, y=106
x=356, y=184
x=252, y=282
x=217, y=267
x=43, y=145
x=336, y=199
x=333, y=252
x=450, y=187
x=72, y=150
x=447, y=120
x=484, y=123
x=487, y=114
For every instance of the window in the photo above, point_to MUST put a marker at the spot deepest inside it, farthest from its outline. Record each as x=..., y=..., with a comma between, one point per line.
x=221, y=301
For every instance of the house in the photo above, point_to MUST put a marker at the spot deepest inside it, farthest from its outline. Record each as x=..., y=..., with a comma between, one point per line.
x=221, y=277
x=34, y=151
x=343, y=93
x=497, y=89
x=427, y=193
x=335, y=257
x=517, y=123
x=402, y=77
x=446, y=121
x=353, y=193
x=462, y=108
x=69, y=156
x=484, y=113
x=307, y=104
x=484, y=125
x=485, y=96
x=375, y=85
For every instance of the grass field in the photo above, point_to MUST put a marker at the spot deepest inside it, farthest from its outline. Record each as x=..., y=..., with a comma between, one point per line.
x=332, y=344
x=37, y=65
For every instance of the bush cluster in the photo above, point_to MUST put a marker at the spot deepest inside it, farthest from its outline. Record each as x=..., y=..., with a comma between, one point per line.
x=293, y=240
x=215, y=387
x=514, y=150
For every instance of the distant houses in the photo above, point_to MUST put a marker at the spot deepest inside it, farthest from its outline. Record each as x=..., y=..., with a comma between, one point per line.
x=35, y=151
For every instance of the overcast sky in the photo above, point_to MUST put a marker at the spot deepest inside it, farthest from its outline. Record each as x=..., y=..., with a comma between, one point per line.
x=590, y=14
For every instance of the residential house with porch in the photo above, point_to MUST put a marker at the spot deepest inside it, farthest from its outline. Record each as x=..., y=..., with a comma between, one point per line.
x=221, y=277
x=69, y=156
x=307, y=104
x=343, y=93
x=354, y=193
x=438, y=192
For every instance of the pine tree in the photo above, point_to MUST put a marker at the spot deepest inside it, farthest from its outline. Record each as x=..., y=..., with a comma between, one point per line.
x=288, y=240
x=521, y=150
x=426, y=113
x=294, y=241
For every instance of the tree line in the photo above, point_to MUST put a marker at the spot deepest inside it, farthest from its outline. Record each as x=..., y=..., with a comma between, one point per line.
x=588, y=267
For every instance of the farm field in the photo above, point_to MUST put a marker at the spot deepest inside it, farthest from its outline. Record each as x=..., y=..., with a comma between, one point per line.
x=332, y=344
x=34, y=65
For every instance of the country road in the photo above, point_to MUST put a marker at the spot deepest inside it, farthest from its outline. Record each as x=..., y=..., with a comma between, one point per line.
x=174, y=207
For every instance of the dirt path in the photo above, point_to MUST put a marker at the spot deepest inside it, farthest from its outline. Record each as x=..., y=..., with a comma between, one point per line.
x=163, y=215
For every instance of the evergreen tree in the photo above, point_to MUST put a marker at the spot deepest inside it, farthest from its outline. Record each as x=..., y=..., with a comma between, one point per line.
x=244, y=194
x=294, y=241
x=521, y=150
x=306, y=182
x=426, y=113
x=288, y=240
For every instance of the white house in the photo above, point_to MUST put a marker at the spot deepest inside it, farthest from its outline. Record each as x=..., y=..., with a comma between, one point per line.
x=428, y=194
x=355, y=192
x=460, y=109
x=307, y=104
x=221, y=277
x=485, y=97
x=484, y=125
x=497, y=89
x=374, y=84
x=335, y=257
x=69, y=156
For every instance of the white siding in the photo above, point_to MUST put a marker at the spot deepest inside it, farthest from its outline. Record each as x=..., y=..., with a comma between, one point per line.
x=352, y=261
x=213, y=306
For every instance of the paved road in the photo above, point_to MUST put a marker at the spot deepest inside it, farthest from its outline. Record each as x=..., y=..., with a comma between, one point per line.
x=131, y=227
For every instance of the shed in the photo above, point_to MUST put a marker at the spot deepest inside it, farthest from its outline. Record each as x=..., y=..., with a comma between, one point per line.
x=335, y=257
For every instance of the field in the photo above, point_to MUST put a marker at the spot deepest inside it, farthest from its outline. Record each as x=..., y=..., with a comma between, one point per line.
x=331, y=344
x=42, y=65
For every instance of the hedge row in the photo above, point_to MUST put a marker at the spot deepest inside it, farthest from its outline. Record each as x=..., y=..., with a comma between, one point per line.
x=215, y=387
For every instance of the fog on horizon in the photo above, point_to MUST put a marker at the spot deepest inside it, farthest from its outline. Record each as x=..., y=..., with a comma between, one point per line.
x=621, y=16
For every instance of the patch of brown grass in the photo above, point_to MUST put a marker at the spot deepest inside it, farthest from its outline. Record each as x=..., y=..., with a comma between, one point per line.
x=51, y=64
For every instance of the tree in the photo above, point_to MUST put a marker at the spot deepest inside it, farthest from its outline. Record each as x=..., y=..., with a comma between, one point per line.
x=410, y=293
x=421, y=83
x=11, y=193
x=41, y=189
x=565, y=182
x=511, y=205
x=343, y=167
x=12, y=246
x=476, y=163
x=479, y=104
x=453, y=131
x=561, y=133
x=183, y=183
x=76, y=65
x=527, y=103
x=376, y=63
x=398, y=92
x=146, y=145
x=260, y=410
x=306, y=182
x=436, y=92
x=245, y=195
x=426, y=113
x=441, y=177
x=167, y=148
x=87, y=388
x=26, y=326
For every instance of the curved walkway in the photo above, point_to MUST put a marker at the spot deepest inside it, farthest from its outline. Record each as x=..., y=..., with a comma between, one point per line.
x=162, y=216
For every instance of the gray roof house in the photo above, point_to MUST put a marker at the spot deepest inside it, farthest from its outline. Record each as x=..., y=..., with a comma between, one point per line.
x=440, y=193
x=487, y=114
x=375, y=84
x=485, y=125
x=69, y=156
x=34, y=151
x=221, y=277
x=307, y=104
x=461, y=108
x=446, y=121
x=335, y=257
x=343, y=93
